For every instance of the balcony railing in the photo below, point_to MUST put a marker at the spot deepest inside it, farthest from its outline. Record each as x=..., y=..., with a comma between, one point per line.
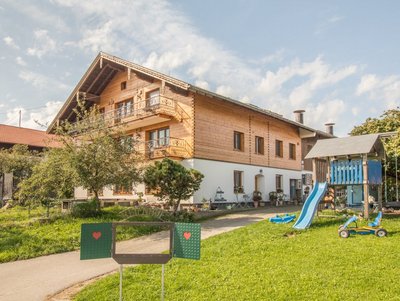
x=165, y=147
x=137, y=110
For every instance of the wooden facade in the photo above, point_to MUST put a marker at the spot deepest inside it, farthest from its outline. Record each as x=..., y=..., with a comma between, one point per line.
x=215, y=124
x=170, y=118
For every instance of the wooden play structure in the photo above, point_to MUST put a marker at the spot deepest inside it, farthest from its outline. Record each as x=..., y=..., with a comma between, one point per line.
x=354, y=164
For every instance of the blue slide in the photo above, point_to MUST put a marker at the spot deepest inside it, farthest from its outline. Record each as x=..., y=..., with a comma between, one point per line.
x=310, y=206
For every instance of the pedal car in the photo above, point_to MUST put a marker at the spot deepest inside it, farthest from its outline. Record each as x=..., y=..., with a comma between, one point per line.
x=372, y=228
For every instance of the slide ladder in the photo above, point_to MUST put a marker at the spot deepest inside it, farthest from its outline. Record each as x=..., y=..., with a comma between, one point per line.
x=310, y=206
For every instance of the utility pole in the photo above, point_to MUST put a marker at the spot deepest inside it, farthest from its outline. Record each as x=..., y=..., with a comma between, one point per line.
x=19, y=122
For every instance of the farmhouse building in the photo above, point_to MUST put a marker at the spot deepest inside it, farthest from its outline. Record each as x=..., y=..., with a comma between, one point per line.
x=238, y=147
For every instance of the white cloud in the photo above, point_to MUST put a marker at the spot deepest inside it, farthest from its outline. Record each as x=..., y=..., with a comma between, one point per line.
x=33, y=118
x=41, y=81
x=20, y=61
x=386, y=89
x=9, y=41
x=43, y=44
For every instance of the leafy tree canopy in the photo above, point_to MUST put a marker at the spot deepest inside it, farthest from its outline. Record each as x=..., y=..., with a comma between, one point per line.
x=389, y=121
x=51, y=180
x=96, y=152
x=18, y=160
x=172, y=182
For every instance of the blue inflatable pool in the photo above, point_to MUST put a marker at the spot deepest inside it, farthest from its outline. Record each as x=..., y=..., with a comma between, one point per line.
x=282, y=219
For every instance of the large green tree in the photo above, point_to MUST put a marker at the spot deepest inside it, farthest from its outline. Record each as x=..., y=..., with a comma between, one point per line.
x=99, y=152
x=52, y=180
x=19, y=161
x=172, y=182
x=389, y=121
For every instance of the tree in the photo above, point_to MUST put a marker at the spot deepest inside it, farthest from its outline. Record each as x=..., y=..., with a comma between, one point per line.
x=19, y=161
x=389, y=121
x=51, y=180
x=172, y=182
x=99, y=153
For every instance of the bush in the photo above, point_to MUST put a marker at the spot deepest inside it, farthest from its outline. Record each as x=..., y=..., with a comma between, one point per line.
x=181, y=216
x=86, y=209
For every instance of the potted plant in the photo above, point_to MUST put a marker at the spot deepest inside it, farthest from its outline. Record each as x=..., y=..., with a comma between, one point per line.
x=257, y=197
x=273, y=197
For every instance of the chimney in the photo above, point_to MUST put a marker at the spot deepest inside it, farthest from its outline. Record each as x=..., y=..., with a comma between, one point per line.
x=299, y=116
x=329, y=127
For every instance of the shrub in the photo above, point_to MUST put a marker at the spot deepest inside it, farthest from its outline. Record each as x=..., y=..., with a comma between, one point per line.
x=86, y=209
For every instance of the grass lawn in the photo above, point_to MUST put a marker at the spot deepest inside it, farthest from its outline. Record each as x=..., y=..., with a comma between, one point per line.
x=23, y=237
x=266, y=261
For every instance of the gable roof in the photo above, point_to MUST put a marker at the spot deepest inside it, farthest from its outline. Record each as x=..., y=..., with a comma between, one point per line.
x=353, y=145
x=17, y=135
x=105, y=66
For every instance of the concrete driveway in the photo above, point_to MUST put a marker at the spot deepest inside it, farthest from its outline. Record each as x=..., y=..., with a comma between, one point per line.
x=39, y=278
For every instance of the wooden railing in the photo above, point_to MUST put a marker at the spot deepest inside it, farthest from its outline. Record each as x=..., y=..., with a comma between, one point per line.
x=165, y=147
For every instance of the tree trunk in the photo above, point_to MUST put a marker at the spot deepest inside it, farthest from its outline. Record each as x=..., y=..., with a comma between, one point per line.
x=96, y=199
x=176, y=206
x=48, y=211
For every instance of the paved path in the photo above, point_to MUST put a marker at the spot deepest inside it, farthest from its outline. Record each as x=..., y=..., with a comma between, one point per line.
x=37, y=278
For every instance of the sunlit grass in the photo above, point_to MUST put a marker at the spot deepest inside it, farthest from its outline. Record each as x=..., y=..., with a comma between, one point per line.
x=266, y=261
x=23, y=236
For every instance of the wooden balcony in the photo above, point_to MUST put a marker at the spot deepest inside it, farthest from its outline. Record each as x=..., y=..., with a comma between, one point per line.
x=147, y=112
x=166, y=147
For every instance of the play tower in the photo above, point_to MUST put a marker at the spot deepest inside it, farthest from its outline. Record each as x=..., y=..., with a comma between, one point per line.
x=355, y=164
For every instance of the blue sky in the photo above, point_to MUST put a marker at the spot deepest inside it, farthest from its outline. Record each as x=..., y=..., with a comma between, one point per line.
x=338, y=60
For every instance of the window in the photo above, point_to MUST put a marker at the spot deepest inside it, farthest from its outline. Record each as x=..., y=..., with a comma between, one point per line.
x=237, y=181
x=153, y=98
x=123, y=85
x=292, y=151
x=238, y=141
x=278, y=182
x=124, y=108
x=159, y=138
x=279, y=148
x=122, y=189
x=259, y=145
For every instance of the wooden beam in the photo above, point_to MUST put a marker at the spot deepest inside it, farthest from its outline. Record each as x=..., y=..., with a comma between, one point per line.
x=110, y=75
x=365, y=186
x=129, y=73
x=101, y=63
x=97, y=77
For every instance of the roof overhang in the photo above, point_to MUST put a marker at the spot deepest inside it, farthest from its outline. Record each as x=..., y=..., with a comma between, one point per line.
x=106, y=66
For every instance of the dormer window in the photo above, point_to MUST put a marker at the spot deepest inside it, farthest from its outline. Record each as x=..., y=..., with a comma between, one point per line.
x=123, y=86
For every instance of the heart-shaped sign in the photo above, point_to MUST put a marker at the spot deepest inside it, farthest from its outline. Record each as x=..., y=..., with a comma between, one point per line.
x=187, y=235
x=96, y=235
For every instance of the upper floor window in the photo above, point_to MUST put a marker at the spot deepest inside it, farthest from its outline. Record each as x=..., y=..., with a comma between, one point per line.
x=124, y=108
x=159, y=138
x=123, y=85
x=259, y=145
x=292, y=151
x=238, y=141
x=279, y=148
x=153, y=98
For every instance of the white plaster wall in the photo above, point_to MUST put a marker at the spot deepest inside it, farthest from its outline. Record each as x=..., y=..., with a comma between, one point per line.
x=220, y=174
